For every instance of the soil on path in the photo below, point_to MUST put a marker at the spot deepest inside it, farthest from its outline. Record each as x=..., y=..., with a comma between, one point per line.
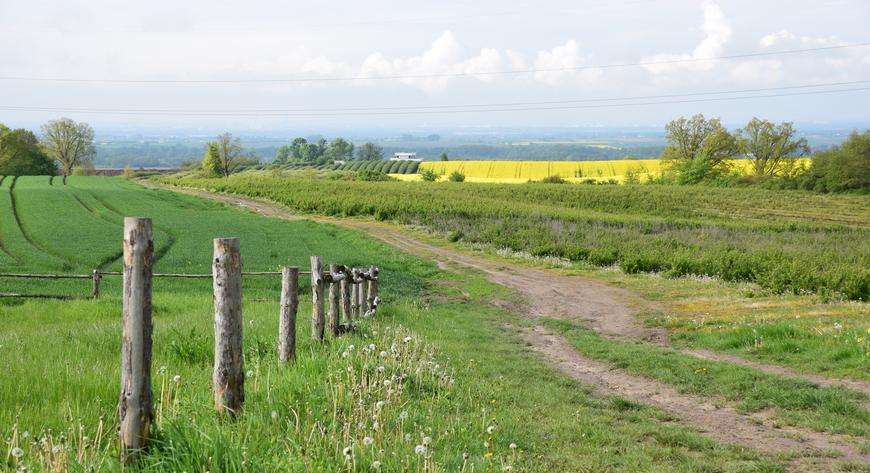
x=612, y=312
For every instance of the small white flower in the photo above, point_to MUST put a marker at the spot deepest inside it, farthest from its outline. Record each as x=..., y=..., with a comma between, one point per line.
x=407, y=437
x=420, y=449
x=383, y=354
x=345, y=355
x=251, y=322
x=176, y=378
x=408, y=339
x=490, y=429
x=376, y=465
x=513, y=446
x=485, y=444
x=250, y=373
x=347, y=451
x=55, y=449
x=368, y=440
x=381, y=369
x=387, y=382
x=403, y=415
x=162, y=369
x=274, y=414
x=427, y=440
x=17, y=452
x=380, y=405
x=25, y=434
x=350, y=347
x=376, y=425
x=372, y=346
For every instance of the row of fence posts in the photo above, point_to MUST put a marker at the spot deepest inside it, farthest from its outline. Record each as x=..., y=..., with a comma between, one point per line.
x=352, y=292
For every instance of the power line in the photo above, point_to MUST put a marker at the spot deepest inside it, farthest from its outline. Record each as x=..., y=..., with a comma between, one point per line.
x=435, y=74
x=568, y=105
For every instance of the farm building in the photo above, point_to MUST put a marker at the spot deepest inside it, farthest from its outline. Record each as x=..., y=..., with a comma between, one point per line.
x=405, y=157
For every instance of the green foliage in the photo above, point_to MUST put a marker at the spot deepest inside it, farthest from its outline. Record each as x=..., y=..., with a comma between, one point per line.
x=698, y=149
x=20, y=154
x=211, y=162
x=443, y=157
x=772, y=238
x=369, y=151
x=69, y=143
x=554, y=179
x=372, y=175
x=774, y=149
x=842, y=169
x=456, y=176
x=428, y=175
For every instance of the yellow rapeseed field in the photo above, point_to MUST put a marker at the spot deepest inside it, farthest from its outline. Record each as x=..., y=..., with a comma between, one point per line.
x=572, y=171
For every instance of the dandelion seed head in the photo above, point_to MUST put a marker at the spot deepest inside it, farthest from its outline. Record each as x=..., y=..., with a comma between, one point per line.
x=420, y=449
x=512, y=446
x=380, y=405
x=408, y=339
x=250, y=373
x=383, y=354
x=176, y=378
x=376, y=465
x=17, y=452
x=403, y=415
x=347, y=451
x=490, y=429
x=427, y=440
x=387, y=382
x=368, y=440
x=274, y=414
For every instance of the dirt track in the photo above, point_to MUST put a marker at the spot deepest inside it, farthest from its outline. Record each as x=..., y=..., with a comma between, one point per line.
x=611, y=311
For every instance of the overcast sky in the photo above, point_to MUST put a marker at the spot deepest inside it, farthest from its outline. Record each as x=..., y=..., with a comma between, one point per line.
x=455, y=41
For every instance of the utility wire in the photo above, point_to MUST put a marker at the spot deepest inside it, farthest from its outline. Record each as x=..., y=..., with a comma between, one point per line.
x=447, y=107
x=374, y=112
x=435, y=74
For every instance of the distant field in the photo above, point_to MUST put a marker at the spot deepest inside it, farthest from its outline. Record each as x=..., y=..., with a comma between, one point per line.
x=515, y=172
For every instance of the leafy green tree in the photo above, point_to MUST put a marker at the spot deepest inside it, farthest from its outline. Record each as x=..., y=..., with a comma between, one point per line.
x=443, y=156
x=370, y=151
x=698, y=148
x=774, y=149
x=339, y=149
x=211, y=163
x=428, y=175
x=842, y=168
x=296, y=149
x=456, y=176
x=282, y=155
x=69, y=143
x=20, y=154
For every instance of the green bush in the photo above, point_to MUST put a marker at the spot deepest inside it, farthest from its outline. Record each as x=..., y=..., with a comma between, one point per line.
x=844, y=168
x=456, y=176
x=428, y=175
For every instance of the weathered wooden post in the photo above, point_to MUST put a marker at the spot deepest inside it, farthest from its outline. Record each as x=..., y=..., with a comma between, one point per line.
x=354, y=277
x=289, y=304
x=334, y=298
x=373, y=289
x=346, y=302
x=135, y=403
x=96, y=277
x=363, y=302
x=317, y=316
x=229, y=363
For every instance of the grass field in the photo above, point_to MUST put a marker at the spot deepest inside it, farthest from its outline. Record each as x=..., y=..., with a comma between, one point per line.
x=463, y=387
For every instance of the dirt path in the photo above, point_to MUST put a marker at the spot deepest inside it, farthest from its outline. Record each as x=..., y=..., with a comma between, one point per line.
x=610, y=311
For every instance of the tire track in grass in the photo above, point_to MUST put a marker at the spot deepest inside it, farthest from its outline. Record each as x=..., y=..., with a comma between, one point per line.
x=160, y=252
x=2, y=246
x=68, y=264
x=107, y=261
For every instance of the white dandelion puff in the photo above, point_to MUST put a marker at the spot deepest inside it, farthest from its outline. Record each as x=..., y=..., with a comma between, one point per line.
x=383, y=354
x=376, y=465
x=490, y=429
x=274, y=414
x=17, y=452
x=387, y=382
x=368, y=440
x=427, y=440
x=512, y=446
x=176, y=378
x=380, y=405
x=420, y=449
x=250, y=373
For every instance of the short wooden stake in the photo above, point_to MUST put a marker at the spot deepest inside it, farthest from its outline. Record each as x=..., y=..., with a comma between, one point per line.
x=96, y=277
x=363, y=301
x=346, y=302
x=373, y=289
x=317, y=315
x=135, y=403
x=334, y=299
x=229, y=364
x=289, y=304
x=355, y=293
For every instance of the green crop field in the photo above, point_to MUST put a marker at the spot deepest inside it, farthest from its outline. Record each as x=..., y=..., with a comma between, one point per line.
x=441, y=379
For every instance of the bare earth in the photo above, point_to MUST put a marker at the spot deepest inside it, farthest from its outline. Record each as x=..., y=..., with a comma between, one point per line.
x=612, y=312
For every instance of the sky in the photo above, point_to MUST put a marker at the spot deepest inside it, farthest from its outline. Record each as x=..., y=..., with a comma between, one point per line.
x=277, y=65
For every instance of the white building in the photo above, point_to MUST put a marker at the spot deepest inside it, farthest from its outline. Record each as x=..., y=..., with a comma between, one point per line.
x=405, y=157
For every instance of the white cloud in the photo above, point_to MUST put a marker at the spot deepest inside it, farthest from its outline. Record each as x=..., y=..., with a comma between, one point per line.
x=566, y=56
x=717, y=32
x=757, y=71
x=777, y=37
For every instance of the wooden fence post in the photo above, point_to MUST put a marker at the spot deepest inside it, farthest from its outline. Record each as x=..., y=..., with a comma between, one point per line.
x=346, y=302
x=229, y=363
x=317, y=316
x=373, y=289
x=96, y=277
x=334, y=298
x=363, y=301
x=289, y=304
x=354, y=276
x=135, y=403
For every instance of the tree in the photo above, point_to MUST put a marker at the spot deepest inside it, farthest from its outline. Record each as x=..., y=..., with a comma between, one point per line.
x=339, y=149
x=443, y=156
x=69, y=143
x=282, y=155
x=842, y=168
x=698, y=148
x=774, y=149
x=225, y=156
x=20, y=154
x=296, y=148
x=428, y=175
x=211, y=162
x=370, y=151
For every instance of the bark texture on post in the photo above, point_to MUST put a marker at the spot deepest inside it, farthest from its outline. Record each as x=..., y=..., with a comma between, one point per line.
x=135, y=403
x=96, y=278
x=334, y=298
x=229, y=364
x=363, y=303
x=354, y=297
x=346, y=302
x=317, y=315
x=289, y=304
x=373, y=289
